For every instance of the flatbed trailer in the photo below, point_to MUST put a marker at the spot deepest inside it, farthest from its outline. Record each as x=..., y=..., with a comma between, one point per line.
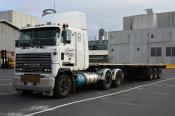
x=126, y=65
x=144, y=71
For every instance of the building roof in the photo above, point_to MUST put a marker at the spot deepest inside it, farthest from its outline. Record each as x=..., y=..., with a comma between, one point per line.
x=9, y=24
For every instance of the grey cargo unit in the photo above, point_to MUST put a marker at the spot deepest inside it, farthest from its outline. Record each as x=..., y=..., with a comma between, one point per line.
x=148, y=38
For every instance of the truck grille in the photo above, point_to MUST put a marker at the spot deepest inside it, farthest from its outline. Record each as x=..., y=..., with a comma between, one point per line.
x=37, y=63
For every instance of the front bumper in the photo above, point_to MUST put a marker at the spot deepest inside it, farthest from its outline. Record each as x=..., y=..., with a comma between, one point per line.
x=46, y=84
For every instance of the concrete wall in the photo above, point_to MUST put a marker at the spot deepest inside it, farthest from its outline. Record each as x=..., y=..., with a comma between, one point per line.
x=145, y=21
x=135, y=46
x=140, y=34
x=140, y=22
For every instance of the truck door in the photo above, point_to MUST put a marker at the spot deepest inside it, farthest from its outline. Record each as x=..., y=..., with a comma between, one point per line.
x=68, y=49
x=76, y=38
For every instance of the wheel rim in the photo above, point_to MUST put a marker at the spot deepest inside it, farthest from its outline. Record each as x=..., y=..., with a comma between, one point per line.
x=155, y=76
x=64, y=86
x=119, y=79
x=108, y=80
x=151, y=76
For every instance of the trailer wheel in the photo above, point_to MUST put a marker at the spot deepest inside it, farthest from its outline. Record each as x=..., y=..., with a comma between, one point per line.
x=150, y=75
x=118, y=79
x=155, y=74
x=159, y=73
x=62, y=86
x=106, y=83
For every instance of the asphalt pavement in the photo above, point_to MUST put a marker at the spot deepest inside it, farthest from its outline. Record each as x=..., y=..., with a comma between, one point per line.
x=133, y=98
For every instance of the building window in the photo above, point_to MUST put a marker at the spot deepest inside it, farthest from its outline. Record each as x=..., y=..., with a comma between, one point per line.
x=170, y=51
x=156, y=52
x=173, y=51
x=159, y=52
x=153, y=52
x=152, y=35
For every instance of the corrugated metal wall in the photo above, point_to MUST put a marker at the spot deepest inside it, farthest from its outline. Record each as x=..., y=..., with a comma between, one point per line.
x=8, y=35
x=18, y=19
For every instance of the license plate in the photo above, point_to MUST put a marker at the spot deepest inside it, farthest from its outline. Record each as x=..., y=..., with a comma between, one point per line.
x=30, y=79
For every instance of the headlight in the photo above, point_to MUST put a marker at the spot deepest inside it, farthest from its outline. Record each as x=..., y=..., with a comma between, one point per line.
x=18, y=69
x=47, y=70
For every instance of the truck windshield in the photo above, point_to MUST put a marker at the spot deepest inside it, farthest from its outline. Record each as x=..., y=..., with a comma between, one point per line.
x=39, y=37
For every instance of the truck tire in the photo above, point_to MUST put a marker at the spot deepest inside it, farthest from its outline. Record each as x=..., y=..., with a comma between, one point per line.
x=106, y=83
x=155, y=73
x=63, y=86
x=159, y=73
x=150, y=75
x=118, y=79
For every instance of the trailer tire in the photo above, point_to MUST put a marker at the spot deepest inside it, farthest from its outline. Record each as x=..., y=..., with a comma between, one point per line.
x=106, y=83
x=118, y=79
x=159, y=73
x=150, y=75
x=155, y=74
x=62, y=86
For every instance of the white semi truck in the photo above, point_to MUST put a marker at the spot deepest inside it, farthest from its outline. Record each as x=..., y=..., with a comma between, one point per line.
x=53, y=58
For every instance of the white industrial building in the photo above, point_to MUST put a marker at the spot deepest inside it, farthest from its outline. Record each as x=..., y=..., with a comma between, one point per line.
x=10, y=23
x=147, y=38
x=18, y=19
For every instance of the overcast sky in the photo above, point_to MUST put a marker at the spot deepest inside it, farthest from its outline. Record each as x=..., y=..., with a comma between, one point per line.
x=107, y=14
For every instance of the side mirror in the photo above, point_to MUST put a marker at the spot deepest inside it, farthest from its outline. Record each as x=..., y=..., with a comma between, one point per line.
x=66, y=35
x=16, y=43
x=69, y=33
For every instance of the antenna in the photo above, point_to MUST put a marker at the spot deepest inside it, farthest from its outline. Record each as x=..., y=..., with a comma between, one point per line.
x=54, y=5
x=49, y=11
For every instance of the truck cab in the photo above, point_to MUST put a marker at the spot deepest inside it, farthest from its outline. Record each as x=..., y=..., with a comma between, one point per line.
x=44, y=51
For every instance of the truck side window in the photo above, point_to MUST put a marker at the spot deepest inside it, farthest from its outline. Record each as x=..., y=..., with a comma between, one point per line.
x=66, y=36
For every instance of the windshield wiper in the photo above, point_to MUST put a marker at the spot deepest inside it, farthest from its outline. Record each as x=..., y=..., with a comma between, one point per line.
x=25, y=44
x=38, y=43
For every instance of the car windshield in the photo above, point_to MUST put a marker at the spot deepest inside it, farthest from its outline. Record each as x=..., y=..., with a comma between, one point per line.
x=39, y=37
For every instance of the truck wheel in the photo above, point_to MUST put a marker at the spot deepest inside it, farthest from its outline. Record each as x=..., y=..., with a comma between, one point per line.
x=118, y=80
x=150, y=75
x=159, y=73
x=106, y=83
x=62, y=86
x=155, y=74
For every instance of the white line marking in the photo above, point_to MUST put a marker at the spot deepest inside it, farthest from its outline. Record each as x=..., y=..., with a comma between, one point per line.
x=5, y=79
x=7, y=93
x=6, y=76
x=5, y=84
x=93, y=98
